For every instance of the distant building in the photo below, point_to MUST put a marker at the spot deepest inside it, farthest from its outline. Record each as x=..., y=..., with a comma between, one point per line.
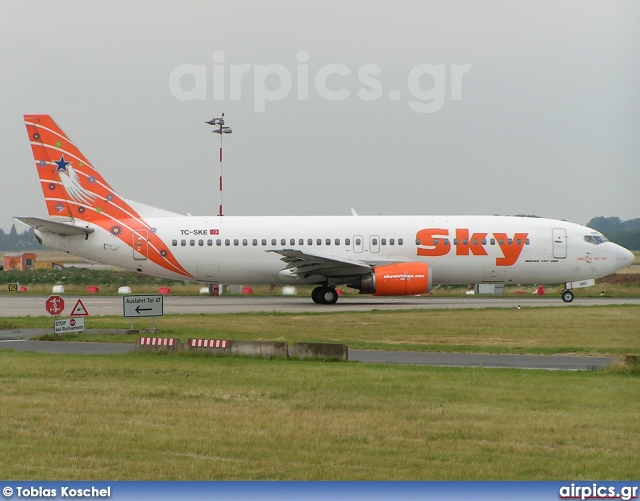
x=18, y=261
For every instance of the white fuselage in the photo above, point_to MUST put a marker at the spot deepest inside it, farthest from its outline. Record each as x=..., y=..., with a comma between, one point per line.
x=458, y=249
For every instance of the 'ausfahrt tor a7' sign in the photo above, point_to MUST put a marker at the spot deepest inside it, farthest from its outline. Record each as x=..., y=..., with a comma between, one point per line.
x=138, y=306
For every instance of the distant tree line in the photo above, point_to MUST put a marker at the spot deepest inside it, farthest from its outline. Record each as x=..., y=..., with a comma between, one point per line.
x=14, y=241
x=625, y=233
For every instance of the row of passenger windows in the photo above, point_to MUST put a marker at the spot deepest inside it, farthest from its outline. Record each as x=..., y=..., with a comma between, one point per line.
x=474, y=241
x=283, y=242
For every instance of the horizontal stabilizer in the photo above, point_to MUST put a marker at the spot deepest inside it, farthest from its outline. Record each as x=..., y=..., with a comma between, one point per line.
x=53, y=227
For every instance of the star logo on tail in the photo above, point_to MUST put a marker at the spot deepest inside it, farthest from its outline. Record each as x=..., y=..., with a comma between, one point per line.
x=71, y=182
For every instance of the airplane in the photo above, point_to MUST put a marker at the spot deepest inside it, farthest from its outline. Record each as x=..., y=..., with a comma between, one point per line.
x=379, y=255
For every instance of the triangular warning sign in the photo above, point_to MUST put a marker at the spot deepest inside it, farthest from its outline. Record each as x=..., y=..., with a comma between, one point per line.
x=79, y=310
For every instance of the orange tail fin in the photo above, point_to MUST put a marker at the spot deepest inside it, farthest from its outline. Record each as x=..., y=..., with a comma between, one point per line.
x=72, y=188
x=74, y=191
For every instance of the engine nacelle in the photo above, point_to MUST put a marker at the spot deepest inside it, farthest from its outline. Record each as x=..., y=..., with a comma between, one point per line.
x=402, y=279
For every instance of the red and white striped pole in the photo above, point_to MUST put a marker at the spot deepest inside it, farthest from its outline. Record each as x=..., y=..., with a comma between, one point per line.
x=221, y=130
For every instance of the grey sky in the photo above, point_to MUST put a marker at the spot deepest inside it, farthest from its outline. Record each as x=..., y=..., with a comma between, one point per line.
x=548, y=123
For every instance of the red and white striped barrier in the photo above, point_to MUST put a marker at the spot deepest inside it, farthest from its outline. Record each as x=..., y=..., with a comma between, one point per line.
x=157, y=341
x=208, y=343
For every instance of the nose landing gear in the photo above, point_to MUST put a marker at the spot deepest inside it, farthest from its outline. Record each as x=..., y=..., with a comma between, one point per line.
x=567, y=296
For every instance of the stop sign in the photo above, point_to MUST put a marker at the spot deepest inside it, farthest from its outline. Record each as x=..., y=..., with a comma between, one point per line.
x=54, y=305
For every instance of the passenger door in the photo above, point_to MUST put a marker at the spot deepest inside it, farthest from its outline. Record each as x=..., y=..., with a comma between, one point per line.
x=559, y=243
x=140, y=244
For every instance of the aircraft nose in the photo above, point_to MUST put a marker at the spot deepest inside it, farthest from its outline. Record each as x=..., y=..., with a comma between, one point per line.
x=624, y=257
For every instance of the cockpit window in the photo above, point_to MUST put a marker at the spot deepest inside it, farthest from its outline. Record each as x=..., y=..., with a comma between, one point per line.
x=595, y=239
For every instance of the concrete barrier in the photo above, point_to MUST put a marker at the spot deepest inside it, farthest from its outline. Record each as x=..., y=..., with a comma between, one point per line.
x=264, y=349
x=218, y=346
x=632, y=360
x=159, y=344
x=321, y=350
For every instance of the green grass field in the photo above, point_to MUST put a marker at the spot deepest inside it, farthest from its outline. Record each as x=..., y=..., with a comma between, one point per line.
x=195, y=417
x=601, y=330
x=185, y=418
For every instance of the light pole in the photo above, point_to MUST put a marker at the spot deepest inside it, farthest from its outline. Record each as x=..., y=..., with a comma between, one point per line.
x=220, y=130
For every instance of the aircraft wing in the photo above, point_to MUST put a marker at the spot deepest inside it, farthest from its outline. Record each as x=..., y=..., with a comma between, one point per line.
x=307, y=264
x=54, y=227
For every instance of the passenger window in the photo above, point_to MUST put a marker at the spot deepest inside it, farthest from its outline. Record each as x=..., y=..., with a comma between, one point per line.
x=374, y=241
x=474, y=241
x=218, y=242
x=446, y=241
x=301, y=241
x=484, y=241
x=174, y=242
x=383, y=241
x=236, y=242
x=318, y=241
x=501, y=241
x=245, y=242
x=254, y=242
x=192, y=243
x=283, y=241
x=183, y=242
x=327, y=241
x=292, y=241
x=465, y=241
x=227, y=242
x=309, y=241
x=526, y=241
x=392, y=241
x=400, y=241
x=200, y=242
x=337, y=241
x=518, y=241
x=347, y=241
x=209, y=242
x=273, y=242
x=455, y=241
x=358, y=241
x=264, y=241
x=510, y=241
x=492, y=241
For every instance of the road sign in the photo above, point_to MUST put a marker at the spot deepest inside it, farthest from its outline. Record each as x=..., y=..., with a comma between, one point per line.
x=69, y=325
x=142, y=306
x=54, y=305
x=79, y=310
x=13, y=287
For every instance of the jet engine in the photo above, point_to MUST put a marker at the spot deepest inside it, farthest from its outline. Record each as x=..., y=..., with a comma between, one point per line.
x=402, y=279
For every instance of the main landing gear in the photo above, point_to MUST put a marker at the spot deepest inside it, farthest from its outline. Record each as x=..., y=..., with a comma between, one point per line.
x=567, y=296
x=324, y=295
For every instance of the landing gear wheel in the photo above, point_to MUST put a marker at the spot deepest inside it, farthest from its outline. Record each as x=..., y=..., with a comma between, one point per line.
x=567, y=296
x=315, y=295
x=328, y=295
x=324, y=295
